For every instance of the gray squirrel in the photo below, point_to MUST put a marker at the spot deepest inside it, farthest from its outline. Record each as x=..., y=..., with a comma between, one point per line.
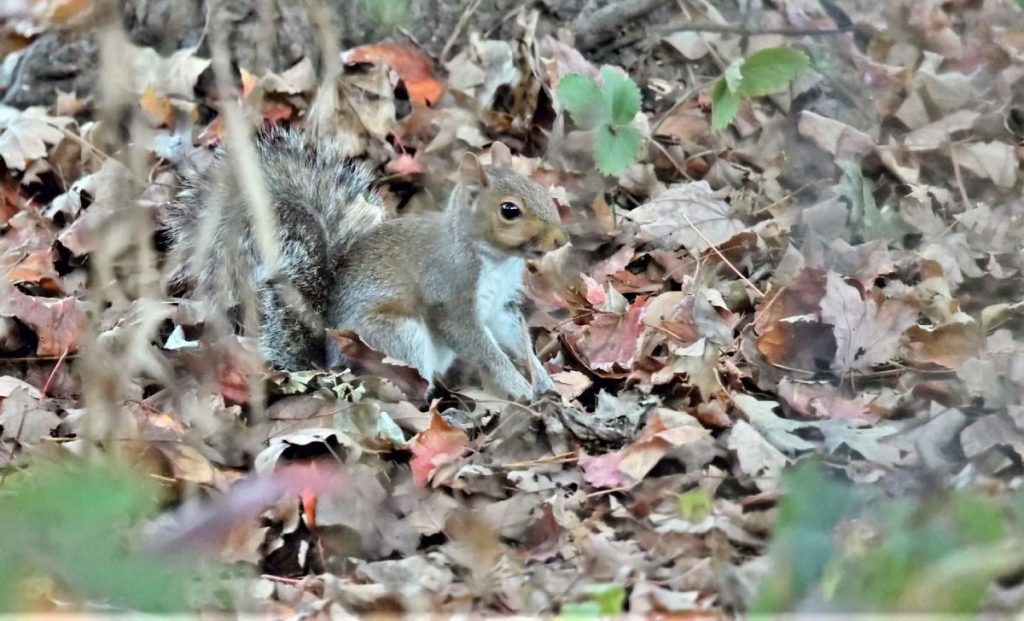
x=426, y=289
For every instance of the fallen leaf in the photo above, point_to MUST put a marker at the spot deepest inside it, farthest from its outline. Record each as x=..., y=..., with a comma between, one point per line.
x=757, y=458
x=603, y=471
x=866, y=333
x=777, y=430
x=687, y=215
x=437, y=445
x=25, y=419
x=865, y=440
x=25, y=134
x=59, y=323
x=415, y=69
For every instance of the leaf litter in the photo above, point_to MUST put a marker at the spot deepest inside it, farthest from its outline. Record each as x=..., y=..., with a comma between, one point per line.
x=835, y=275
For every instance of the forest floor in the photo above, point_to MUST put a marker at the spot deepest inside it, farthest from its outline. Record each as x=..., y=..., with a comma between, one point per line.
x=787, y=344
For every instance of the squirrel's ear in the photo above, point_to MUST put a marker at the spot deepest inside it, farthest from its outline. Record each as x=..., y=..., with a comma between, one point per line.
x=500, y=155
x=471, y=170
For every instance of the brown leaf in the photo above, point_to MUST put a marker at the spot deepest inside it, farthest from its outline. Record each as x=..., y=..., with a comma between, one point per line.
x=372, y=362
x=867, y=333
x=948, y=345
x=798, y=344
x=611, y=340
x=59, y=323
x=836, y=138
x=415, y=69
x=25, y=419
x=687, y=215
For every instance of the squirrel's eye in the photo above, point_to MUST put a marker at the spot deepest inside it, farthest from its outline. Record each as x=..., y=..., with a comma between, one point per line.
x=510, y=211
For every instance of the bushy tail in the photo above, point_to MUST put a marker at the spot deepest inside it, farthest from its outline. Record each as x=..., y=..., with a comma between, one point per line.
x=322, y=203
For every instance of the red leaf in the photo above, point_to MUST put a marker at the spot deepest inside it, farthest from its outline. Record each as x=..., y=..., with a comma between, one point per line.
x=436, y=445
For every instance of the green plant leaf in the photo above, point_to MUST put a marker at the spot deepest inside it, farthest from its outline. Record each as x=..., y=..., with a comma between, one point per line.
x=615, y=148
x=695, y=505
x=621, y=95
x=74, y=523
x=724, y=105
x=770, y=70
x=734, y=74
x=583, y=99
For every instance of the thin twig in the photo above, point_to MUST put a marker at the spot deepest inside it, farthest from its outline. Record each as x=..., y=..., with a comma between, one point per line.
x=460, y=25
x=721, y=256
x=751, y=32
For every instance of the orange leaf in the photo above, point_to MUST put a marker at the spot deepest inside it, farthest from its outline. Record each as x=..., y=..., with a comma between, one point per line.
x=157, y=106
x=434, y=446
x=248, y=82
x=414, y=69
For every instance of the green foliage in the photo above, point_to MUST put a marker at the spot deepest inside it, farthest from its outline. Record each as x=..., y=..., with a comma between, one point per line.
x=910, y=555
x=386, y=14
x=764, y=72
x=609, y=109
x=604, y=600
x=695, y=505
x=72, y=524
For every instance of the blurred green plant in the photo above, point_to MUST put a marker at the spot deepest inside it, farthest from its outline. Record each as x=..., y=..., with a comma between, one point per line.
x=609, y=109
x=604, y=600
x=762, y=73
x=906, y=555
x=386, y=14
x=72, y=523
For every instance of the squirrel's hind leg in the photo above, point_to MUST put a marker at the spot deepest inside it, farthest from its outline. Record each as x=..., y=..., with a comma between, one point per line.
x=406, y=339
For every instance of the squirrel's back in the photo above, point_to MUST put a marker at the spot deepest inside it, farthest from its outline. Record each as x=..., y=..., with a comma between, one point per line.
x=322, y=203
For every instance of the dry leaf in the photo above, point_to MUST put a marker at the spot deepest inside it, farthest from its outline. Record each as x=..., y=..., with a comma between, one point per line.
x=26, y=134
x=867, y=334
x=415, y=69
x=687, y=215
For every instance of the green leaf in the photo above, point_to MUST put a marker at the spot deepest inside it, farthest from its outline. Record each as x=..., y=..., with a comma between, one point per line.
x=615, y=148
x=74, y=523
x=734, y=74
x=621, y=95
x=583, y=99
x=770, y=70
x=695, y=505
x=724, y=105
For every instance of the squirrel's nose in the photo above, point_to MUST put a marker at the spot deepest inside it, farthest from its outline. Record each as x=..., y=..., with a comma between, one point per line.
x=553, y=239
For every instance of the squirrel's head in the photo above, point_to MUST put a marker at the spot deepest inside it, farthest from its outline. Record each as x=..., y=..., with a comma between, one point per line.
x=511, y=211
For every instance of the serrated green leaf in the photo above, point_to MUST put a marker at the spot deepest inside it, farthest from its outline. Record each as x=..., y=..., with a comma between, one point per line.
x=734, y=74
x=771, y=70
x=724, y=105
x=615, y=148
x=581, y=96
x=621, y=95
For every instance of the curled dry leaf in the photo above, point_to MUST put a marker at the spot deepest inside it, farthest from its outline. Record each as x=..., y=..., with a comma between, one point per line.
x=415, y=69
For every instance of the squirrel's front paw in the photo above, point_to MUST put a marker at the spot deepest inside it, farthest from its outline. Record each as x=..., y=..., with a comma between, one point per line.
x=543, y=383
x=517, y=387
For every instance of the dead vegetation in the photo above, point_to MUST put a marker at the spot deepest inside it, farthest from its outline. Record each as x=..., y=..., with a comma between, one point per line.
x=836, y=275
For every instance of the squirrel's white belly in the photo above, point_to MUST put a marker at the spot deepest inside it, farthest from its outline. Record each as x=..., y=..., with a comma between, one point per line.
x=499, y=284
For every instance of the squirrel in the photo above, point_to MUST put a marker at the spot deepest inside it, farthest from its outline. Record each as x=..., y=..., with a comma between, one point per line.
x=430, y=290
